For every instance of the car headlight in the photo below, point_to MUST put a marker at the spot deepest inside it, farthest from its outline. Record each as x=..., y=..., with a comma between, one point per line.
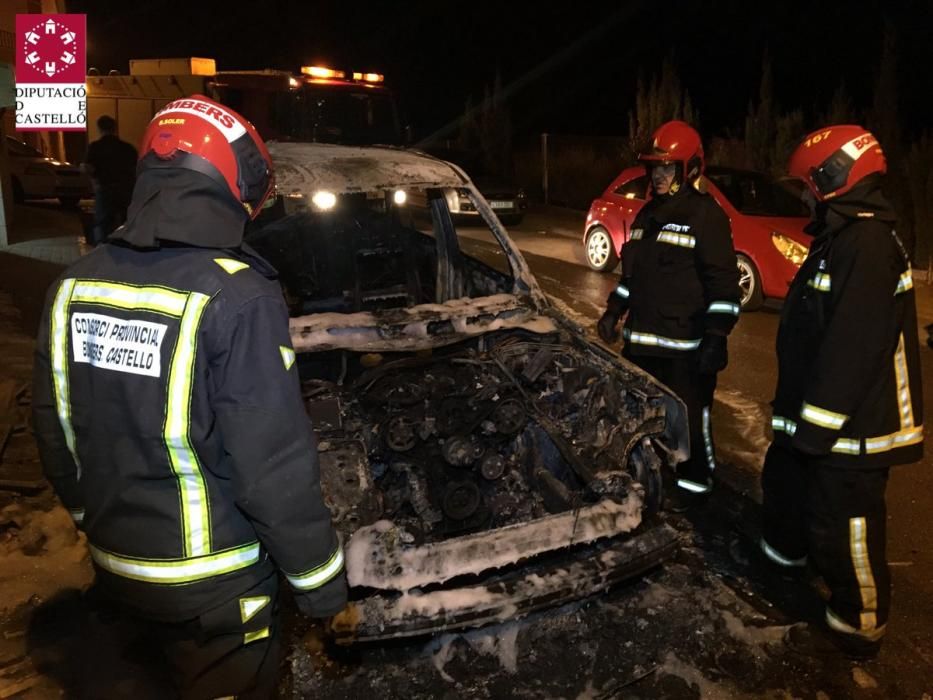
x=324, y=200
x=789, y=248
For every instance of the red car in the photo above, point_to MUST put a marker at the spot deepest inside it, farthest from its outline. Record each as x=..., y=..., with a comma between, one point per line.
x=767, y=227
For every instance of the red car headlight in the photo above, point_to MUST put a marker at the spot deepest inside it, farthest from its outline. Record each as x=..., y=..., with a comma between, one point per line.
x=789, y=248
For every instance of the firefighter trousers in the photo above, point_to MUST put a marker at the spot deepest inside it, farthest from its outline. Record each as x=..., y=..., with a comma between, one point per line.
x=836, y=518
x=230, y=650
x=696, y=391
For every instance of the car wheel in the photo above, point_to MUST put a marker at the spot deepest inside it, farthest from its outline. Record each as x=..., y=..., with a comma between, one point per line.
x=749, y=284
x=19, y=196
x=600, y=251
x=69, y=202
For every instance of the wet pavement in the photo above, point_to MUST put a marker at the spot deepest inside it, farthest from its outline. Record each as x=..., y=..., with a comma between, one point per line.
x=708, y=624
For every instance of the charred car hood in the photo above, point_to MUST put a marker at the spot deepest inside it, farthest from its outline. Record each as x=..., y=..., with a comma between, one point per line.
x=417, y=328
x=475, y=485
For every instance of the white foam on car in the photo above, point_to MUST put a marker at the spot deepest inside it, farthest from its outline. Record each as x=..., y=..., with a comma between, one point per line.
x=378, y=557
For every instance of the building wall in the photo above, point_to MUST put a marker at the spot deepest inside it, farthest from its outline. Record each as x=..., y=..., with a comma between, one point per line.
x=50, y=142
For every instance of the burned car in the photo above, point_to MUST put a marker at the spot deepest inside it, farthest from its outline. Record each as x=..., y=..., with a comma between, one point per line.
x=481, y=458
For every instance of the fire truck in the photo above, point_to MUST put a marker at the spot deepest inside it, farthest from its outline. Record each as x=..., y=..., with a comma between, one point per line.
x=316, y=104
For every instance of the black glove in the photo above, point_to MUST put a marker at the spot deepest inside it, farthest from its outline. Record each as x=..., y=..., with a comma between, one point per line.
x=713, y=356
x=606, y=326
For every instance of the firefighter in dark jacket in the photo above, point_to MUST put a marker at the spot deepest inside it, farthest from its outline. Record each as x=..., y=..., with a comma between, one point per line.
x=169, y=415
x=848, y=404
x=680, y=289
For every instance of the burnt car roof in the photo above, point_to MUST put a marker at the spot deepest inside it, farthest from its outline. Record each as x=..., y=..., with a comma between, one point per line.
x=309, y=167
x=306, y=168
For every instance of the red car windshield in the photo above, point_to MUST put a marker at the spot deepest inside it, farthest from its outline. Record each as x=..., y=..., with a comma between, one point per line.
x=755, y=194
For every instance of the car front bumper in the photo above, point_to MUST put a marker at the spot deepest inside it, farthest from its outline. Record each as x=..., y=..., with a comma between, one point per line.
x=554, y=581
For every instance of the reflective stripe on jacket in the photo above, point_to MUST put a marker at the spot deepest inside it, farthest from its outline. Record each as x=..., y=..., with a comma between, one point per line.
x=848, y=357
x=679, y=276
x=168, y=414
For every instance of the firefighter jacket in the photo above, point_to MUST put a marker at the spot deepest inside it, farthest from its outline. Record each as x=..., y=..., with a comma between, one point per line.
x=679, y=276
x=849, y=389
x=169, y=418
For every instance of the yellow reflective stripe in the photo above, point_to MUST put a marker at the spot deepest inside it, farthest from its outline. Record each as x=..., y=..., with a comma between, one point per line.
x=681, y=239
x=195, y=509
x=659, y=340
x=853, y=446
x=317, y=577
x=840, y=625
x=253, y=636
x=77, y=514
x=230, y=265
x=777, y=557
x=842, y=445
x=171, y=571
x=708, y=440
x=861, y=562
x=822, y=417
x=723, y=307
x=288, y=356
x=130, y=296
x=58, y=356
x=905, y=405
x=623, y=291
x=821, y=281
x=250, y=606
x=693, y=486
x=905, y=282
x=636, y=233
x=847, y=446
x=901, y=438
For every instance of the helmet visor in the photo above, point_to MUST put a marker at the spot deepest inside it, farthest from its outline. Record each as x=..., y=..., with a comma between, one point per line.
x=832, y=173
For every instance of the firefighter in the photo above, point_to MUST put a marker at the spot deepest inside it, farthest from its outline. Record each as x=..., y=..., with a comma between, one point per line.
x=169, y=415
x=848, y=403
x=680, y=288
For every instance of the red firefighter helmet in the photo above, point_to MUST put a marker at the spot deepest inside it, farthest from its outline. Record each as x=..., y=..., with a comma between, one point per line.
x=676, y=142
x=199, y=134
x=834, y=159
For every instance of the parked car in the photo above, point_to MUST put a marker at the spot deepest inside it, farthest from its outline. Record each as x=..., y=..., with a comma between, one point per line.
x=36, y=176
x=767, y=219
x=481, y=456
x=506, y=198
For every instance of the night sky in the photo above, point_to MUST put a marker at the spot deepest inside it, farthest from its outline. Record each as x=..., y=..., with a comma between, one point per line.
x=573, y=68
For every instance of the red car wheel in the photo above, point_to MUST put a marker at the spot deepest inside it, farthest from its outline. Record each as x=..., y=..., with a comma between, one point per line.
x=749, y=283
x=600, y=250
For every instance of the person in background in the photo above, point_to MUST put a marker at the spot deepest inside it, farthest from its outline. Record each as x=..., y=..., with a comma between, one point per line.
x=111, y=165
